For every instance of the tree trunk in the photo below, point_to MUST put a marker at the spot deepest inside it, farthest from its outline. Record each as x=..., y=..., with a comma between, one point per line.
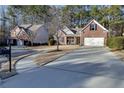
x=31, y=42
x=49, y=43
x=57, y=42
x=121, y=30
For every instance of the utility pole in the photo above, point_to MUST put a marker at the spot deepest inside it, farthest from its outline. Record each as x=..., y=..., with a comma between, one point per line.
x=9, y=41
x=10, y=63
x=10, y=56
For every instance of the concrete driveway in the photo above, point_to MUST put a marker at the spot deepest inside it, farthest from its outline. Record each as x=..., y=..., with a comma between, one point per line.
x=85, y=67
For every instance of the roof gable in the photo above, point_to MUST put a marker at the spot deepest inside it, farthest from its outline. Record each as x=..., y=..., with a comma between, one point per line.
x=19, y=33
x=23, y=35
x=26, y=31
x=31, y=27
x=96, y=23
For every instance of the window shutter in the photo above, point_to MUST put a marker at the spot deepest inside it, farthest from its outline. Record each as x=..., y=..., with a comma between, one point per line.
x=90, y=26
x=95, y=26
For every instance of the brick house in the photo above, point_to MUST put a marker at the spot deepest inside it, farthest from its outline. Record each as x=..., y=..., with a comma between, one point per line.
x=26, y=34
x=93, y=34
x=69, y=36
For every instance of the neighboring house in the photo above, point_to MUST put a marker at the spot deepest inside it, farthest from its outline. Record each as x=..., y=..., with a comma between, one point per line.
x=69, y=36
x=2, y=37
x=93, y=34
x=28, y=34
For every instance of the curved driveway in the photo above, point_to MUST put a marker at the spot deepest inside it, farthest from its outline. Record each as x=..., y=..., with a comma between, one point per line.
x=85, y=67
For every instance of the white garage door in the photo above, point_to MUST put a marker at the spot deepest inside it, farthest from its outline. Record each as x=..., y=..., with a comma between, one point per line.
x=94, y=41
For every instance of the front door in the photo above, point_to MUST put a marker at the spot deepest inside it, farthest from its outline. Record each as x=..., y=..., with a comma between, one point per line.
x=77, y=40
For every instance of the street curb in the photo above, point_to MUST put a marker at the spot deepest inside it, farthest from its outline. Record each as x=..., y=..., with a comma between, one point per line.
x=16, y=61
x=14, y=65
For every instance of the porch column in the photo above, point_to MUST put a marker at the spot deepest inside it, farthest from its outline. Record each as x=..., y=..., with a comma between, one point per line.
x=65, y=40
x=74, y=40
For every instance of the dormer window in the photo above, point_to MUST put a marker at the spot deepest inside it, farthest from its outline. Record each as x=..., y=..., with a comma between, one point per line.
x=93, y=26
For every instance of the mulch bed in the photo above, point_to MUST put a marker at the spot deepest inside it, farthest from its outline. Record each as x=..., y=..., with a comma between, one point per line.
x=120, y=53
x=50, y=56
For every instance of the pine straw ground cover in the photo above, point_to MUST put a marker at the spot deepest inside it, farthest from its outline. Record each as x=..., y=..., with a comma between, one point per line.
x=120, y=54
x=53, y=55
x=48, y=57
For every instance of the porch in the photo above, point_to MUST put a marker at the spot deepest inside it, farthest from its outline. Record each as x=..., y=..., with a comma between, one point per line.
x=72, y=40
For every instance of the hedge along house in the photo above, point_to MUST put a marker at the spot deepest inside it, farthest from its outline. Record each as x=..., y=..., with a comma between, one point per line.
x=69, y=36
x=28, y=34
x=93, y=34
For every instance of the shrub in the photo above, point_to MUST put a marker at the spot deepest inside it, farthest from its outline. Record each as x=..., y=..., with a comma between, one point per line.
x=51, y=42
x=116, y=42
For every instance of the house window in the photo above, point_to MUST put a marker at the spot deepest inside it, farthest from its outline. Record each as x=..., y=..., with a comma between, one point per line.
x=62, y=39
x=93, y=27
x=70, y=40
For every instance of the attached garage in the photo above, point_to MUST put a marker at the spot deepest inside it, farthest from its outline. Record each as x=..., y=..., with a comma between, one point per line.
x=94, y=34
x=96, y=41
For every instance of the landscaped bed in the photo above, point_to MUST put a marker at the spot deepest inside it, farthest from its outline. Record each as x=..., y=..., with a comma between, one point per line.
x=49, y=56
x=119, y=53
x=53, y=55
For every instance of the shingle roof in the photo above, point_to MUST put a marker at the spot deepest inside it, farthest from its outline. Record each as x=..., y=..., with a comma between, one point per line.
x=35, y=27
x=67, y=31
x=76, y=30
x=31, y=27
x=25, y=25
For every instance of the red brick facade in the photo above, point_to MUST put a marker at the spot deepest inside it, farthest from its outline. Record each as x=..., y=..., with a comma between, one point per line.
x=99, y=32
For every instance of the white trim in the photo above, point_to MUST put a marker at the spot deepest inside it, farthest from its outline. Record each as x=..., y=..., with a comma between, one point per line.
x=100, y=25
x=96, y=23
